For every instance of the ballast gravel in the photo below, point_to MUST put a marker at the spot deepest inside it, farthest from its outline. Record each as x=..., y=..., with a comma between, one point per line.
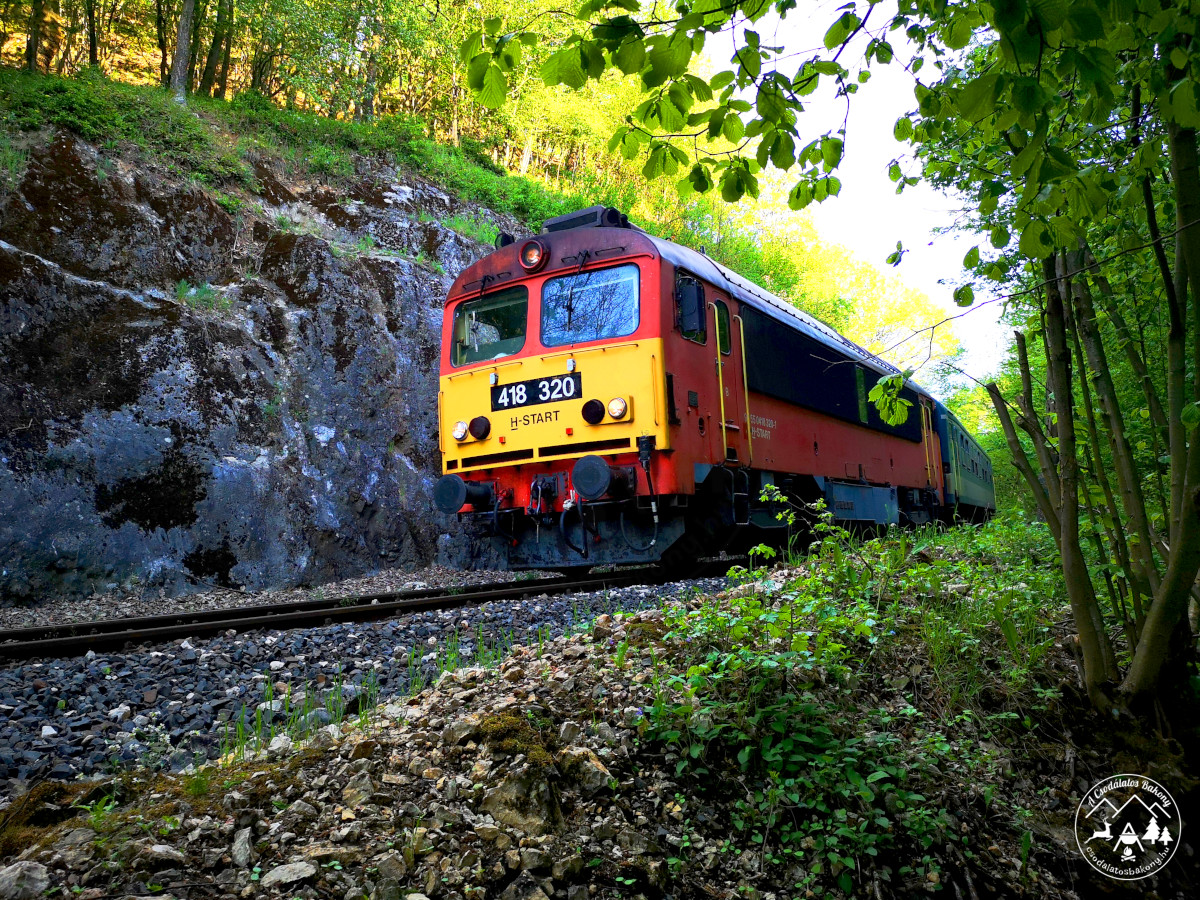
x=128, y=601
x=176, y=704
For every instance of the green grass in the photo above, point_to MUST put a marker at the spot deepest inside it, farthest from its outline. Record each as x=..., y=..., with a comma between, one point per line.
x=473, y=227
x=13, y=161
x=103, y=111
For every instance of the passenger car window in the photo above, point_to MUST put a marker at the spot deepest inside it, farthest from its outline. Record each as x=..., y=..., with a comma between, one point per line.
x=491, y=327
x=590, y=306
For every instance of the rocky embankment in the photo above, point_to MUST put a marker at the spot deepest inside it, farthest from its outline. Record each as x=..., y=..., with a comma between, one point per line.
x=534, y=779
x=505, y=782
x=193, y=397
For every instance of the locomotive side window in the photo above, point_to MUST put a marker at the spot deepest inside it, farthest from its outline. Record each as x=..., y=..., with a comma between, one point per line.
x=690, y=311
x=722, y=326
x=590, y=306
x=491, y=327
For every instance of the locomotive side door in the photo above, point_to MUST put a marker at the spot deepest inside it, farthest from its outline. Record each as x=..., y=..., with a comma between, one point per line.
x=729, y=363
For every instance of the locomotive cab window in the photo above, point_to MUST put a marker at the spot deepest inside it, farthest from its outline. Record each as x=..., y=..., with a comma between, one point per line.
x=491, y=327
x=723, y=340
x=590, y=306
x=691, y=315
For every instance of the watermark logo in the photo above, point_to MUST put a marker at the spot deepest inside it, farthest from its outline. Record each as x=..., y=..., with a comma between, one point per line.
x=1127, y=827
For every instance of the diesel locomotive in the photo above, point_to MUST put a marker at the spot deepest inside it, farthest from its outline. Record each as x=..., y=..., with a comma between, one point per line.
x=606, y=396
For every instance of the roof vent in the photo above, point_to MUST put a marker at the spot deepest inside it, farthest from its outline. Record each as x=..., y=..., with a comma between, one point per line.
x=592, y=217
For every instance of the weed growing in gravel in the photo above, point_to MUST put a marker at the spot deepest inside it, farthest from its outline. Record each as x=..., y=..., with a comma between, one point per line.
x=98, y=811
x=198, y=783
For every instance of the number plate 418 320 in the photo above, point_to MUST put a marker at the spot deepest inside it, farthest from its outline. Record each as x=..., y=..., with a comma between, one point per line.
x=537, y=390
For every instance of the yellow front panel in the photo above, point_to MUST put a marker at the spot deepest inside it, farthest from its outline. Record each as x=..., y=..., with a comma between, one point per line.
x=632, y=370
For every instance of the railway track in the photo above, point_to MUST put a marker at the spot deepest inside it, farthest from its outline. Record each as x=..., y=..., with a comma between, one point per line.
x=75, y=639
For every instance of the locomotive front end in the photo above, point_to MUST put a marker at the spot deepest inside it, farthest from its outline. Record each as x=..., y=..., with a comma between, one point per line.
x=551, y=403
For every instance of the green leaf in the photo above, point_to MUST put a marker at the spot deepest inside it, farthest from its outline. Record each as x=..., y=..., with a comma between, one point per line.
x=721, y=79
x=783, y=152
x=471, y=47
x=476, y=71
x=958, y=35
x=964, y=296
x=977, y=98
x=494, y=89
x=904, y=129
x=770, y=103
x=971, y=260
x=1179, y=58
x=564, y=67
x=630, y=57
x=493, y=25
x=733, y=128
x=1035, y=240
x=999, y=236
x=1190, y=416
x=831, y=152
x=841, y=29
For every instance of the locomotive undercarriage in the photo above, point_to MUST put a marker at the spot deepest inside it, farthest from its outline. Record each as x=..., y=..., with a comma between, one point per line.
x=725, y=514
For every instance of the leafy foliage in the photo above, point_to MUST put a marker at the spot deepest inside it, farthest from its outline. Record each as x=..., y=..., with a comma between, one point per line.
x=767, y=686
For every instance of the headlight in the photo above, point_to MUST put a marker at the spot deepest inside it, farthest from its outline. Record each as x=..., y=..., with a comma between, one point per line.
x=617, y=407
x=593, y=412
x=480, y=427
x=459, y=431
x=532, y=255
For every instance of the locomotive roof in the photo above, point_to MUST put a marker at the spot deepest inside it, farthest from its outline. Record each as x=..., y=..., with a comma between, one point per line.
x=763, y=300
x=631, y=240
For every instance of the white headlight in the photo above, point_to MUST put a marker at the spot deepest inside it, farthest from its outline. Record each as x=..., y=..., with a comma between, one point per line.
x=617, y=407
x=459, y=431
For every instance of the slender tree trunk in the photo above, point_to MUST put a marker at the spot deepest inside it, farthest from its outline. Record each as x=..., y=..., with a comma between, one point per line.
x=89, y=9
x=160, y=25
x=179, y=66
x=1129, y=480
x=1171, y=599
x=1031, y=425
x=1099, y=662
x=1021, y=461
x=367, y=107
x=201, y=11
x=34, y=41
x=223, y=78
x=220, y=27
x=1116, y=534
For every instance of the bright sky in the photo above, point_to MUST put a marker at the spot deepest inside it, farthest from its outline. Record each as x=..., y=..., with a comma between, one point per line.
x=868, y=216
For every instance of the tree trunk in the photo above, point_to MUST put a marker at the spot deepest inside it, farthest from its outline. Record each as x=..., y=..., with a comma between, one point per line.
x=33, y=43
x=160, y=25
x=1129, y=482
x=220, y=27
x=183, y=38
x=223, y=78
x=89, y=9
x=1171, y=599
x=1021, y=461
x=201, y=11
x=1099, y=662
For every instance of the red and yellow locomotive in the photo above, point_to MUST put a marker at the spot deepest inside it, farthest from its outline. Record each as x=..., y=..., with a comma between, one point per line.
x=610, y=397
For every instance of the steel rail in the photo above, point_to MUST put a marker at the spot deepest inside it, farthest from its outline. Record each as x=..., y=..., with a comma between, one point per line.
x=73, y=639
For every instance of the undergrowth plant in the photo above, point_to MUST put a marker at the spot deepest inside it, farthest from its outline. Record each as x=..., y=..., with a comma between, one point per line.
x=762, y=688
